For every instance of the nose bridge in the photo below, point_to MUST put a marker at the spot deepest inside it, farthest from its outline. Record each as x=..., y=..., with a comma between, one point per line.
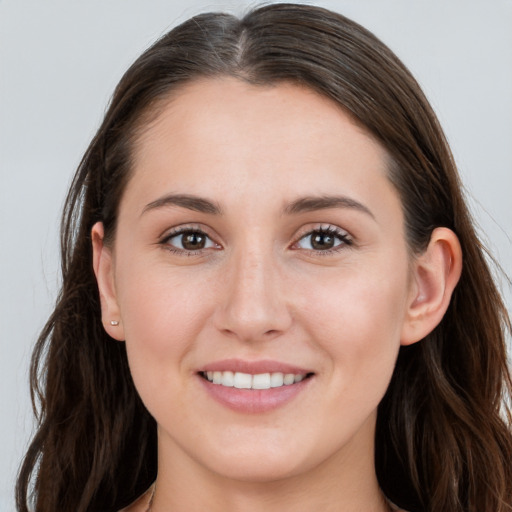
x=254, y=305
x=254, y=271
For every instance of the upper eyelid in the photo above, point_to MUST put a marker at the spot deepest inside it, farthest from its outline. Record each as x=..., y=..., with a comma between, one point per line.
x=183, y=228
x=345, y=236
x=299, y=234
x=171, y=233
x=308, y=229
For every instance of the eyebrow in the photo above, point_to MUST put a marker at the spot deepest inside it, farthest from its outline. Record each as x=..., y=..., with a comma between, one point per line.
x=312, y=203
x=301, y=205
x=190, y=202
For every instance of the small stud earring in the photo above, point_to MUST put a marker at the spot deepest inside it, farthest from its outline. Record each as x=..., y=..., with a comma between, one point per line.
x=114, y=323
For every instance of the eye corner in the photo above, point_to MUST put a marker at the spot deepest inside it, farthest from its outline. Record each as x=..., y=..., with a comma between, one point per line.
x=329, y=239
x=199, y=241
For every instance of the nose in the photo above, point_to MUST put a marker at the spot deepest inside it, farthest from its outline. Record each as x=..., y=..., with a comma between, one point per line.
x=253, y=305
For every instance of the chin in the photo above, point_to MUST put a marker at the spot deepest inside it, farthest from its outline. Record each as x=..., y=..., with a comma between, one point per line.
x=261, y=469
x=265, y=460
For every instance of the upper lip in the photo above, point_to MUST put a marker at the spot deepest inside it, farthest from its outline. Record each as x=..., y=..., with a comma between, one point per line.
x=253, y=367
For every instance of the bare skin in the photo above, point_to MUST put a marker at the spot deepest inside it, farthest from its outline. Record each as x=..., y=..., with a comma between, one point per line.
x=260, y=227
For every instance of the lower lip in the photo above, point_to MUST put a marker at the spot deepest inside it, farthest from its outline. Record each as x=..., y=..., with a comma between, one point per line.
x=254, y=400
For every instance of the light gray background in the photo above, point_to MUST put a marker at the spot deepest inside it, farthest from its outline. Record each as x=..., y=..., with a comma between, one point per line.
x=59, y=62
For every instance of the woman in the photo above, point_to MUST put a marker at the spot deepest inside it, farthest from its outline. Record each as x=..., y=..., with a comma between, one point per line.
x=269, y=290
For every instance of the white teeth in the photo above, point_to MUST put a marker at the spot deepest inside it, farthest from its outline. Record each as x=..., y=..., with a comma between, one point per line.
x=276, y=380
x=242, y=381
x=247, y=381
x=288, y=379
x=228, y=379
x=261, y=381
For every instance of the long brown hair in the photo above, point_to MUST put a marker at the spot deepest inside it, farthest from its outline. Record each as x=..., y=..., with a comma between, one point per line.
x=443, y=440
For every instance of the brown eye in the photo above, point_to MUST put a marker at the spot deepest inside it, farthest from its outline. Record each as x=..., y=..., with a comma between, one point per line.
x=324, y=240
x=190, y=240
x=193, y=241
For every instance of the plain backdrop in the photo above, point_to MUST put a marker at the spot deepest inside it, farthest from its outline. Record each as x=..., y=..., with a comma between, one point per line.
x=59, y=63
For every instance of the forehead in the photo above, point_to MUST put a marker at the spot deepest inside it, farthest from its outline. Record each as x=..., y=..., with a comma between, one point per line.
x=228, y=102
x=237, y=140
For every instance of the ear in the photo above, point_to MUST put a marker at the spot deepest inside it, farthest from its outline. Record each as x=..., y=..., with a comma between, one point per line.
x=104, y=271
x=436, y=272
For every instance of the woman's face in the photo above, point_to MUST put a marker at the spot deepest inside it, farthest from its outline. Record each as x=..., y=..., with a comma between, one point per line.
x=259, y=238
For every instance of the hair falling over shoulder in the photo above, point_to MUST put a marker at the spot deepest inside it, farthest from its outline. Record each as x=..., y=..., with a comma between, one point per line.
x=443, y=441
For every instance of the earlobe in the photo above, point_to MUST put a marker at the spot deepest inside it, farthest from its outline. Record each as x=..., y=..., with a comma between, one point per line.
x=436, y=273
x=104, y=271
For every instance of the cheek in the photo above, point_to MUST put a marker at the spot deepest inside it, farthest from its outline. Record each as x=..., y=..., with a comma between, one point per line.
x=162, y=316
x=357, y=320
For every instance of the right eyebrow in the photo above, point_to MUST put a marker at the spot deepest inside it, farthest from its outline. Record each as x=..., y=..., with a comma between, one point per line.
x=312, y=203
x=188, y=201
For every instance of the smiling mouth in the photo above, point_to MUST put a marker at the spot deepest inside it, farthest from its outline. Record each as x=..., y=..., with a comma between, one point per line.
x=258, y=381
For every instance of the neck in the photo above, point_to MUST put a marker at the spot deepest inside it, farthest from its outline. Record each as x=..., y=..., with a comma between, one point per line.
x=344, y=482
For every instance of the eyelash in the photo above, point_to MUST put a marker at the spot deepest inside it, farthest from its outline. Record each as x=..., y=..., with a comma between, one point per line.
x=182, y=231
x=344, y=240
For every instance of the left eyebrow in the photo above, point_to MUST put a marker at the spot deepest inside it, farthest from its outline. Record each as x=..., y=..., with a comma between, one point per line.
x=311, y=203
x=190, y=202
